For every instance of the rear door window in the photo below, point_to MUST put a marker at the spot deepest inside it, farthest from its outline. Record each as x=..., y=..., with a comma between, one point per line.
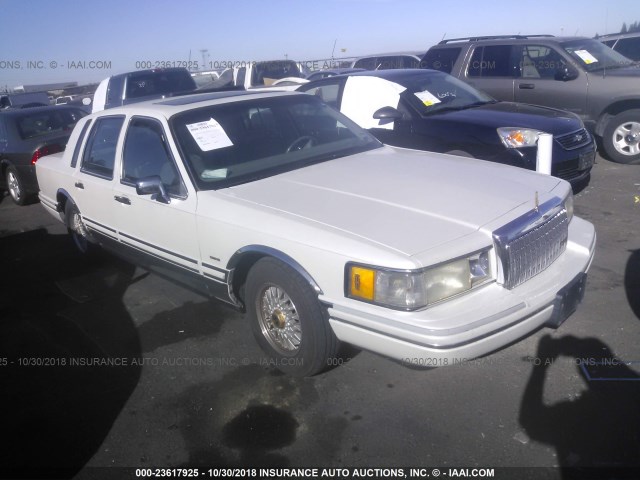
x=100, y=152
x=441, y=59
x=491, y=61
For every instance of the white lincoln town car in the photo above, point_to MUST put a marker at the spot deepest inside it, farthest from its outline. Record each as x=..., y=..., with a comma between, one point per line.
x=282, y=207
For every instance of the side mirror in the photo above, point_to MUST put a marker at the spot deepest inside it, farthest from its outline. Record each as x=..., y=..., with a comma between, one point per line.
x=566, y=73
x=153, y=186
x=388, y=115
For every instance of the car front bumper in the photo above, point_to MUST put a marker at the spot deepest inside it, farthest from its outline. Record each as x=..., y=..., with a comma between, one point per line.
x=573, y=166
x=474, y=324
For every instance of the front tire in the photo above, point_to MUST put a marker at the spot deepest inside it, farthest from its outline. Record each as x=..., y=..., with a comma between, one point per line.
x=621, y=137
x=287, y=319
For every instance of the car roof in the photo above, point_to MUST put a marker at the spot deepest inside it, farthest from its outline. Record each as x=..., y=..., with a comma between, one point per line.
x=46, y=108
x=507, y=39
x=167, y=107
x=613, y=36
x=414, y=53
x=141, y=73
x=396, y=73
x=339, y=70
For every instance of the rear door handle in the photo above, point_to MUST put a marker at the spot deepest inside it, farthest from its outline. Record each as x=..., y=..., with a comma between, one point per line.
x=526, y=86
x=79, y=185
x=121, y=199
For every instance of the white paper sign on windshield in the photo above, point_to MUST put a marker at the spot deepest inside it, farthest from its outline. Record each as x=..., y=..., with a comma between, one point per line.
x=586, y=56
x=209, y=135
x=214, y=174
x=363, y=96
x=427, y=98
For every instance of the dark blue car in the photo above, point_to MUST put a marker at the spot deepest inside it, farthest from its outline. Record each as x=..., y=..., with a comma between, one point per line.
x=431, y=110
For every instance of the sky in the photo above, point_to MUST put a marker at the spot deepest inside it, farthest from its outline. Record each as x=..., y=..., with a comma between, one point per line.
x=47, y=41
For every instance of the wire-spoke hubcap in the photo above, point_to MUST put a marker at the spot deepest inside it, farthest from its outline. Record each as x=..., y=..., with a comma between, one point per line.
x=626, y=138
x=14, y=186
x=79, y=233
x=279, y=320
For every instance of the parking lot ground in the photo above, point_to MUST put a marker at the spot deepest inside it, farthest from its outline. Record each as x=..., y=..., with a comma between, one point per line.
x=187, y=385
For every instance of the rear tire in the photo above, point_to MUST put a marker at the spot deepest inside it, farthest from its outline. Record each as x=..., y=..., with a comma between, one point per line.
x=287, y=319
x=77, y=230
x=16, y=186
x=621, y=137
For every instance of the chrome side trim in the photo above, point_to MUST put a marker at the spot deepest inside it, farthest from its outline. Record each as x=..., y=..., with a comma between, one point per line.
x=163, y=250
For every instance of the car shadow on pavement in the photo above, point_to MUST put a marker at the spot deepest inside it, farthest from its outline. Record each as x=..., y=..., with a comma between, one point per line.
x=632, y=282
x=190, y=320
x=64, y=358
x=254, y=416
x=596, y=434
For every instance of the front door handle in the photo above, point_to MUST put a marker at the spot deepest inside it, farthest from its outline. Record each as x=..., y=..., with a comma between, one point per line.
x=526, y=86
x=79, y=185
x=121, y=199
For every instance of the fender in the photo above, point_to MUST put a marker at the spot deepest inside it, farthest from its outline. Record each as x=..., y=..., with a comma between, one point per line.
x=60, y=204
x=263, y=251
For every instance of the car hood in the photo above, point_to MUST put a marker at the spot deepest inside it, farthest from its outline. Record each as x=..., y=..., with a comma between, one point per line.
x=406, y=200
x=510, y=114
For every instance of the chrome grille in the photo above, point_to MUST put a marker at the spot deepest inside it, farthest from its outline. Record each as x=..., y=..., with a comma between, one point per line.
x=573, y=140
x=528, y=246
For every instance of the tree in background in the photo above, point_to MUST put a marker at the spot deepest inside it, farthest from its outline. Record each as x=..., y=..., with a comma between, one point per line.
x=634, y=27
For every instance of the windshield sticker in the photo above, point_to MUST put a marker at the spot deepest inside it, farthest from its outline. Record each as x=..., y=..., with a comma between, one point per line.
x=427, y=98
x=213, y=174
x=586, y=56
x=209, y=135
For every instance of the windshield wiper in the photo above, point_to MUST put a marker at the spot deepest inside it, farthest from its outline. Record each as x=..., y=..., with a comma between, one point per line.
x=479, y=103
x=614, y=66
x=464, y=107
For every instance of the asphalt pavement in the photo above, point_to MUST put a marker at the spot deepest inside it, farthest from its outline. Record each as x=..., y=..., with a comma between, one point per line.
x=105, y=365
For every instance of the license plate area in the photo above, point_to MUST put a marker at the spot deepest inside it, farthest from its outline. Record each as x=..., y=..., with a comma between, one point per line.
x=567, y=300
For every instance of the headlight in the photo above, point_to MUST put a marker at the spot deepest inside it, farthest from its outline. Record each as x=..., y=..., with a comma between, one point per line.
x=415, y=289
x=518, y=137
x=568, y=205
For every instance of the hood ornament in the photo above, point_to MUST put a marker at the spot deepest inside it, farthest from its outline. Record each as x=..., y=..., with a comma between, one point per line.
x=536, y=203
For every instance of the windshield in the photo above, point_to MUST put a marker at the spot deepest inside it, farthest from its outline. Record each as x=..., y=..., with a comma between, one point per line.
x=159, y=82
x=243, y=141
x=265, y=73
x=434, y=92
x=593, y=55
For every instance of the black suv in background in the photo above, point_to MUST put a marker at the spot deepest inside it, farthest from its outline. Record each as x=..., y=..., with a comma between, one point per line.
x=628, y=44
x=141, y=85
x=577, y=74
